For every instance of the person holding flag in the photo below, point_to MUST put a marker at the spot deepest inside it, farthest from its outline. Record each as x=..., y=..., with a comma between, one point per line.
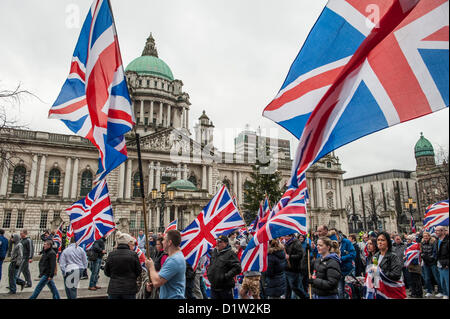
x=442, y=258
x=413, y=262
x=72, y=262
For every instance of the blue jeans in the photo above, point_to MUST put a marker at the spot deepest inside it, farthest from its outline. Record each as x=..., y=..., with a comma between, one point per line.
x=95, y=269
x=71, y=280
x=443, y=276
x=430, y=271
x=50, y=283
x=133, y=296
x=325, y=297
x=294, y=286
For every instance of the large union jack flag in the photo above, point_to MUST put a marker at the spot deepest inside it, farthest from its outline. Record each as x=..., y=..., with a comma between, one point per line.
x=219, y=217
x=94, y=101
x=390, y=289
x=366, y=65
x=288, y=220
x=57, y=239
x=172, y=226
x=436, y=215
x=412, y=252
x=92, y=217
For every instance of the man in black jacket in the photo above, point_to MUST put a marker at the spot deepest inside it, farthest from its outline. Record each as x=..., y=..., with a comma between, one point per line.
x=47, y=270
x=123, y=267
x=223, y=267
x=442, y=258
x=28, y=252
x=294, y=279
x=98, y=249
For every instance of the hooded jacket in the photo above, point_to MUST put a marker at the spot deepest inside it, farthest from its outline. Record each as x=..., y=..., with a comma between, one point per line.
x=275, y=274
x=47, y=263
x=17, y=251
x=442, y=252
x=428, y=251
x=223, y=267
x=295, y=251
x=328, y=274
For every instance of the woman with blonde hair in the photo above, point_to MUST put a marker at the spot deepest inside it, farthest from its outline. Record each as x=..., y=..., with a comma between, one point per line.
x=327, y=270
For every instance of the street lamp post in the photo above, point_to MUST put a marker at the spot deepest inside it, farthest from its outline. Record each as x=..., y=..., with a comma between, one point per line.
x=170, y=193
x=411, y=206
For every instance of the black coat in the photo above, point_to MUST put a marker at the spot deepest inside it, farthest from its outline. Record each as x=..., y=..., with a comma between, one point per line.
x=328, y=274
x=390, y=265
x=98, y=247
x=123, y=267
x=442, y=252
x=275, y=275
x=428, y=252
x=295, y=251
x=223, y=267
x=47, y=263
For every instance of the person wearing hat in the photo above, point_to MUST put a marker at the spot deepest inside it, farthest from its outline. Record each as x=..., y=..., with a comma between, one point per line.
x=123, y=268
x=223, y=267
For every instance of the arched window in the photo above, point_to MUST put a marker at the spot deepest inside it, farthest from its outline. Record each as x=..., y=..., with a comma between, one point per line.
x=136, y=185
x=86, y=183
x=54, y=177
x=18, y=183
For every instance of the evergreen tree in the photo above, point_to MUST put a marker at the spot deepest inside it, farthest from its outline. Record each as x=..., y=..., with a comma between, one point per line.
x=257, y=187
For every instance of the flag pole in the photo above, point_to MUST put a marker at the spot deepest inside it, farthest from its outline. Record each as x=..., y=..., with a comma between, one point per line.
x=309, y=268
x=141, y=185
x=239, y=210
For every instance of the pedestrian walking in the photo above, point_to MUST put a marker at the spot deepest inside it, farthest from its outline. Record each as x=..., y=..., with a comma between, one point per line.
x=429, y=267
x=14, y=266
x=294, y=280
x=123, y=268
x=275, y=274
x=442, y=258
x=47, y=270
x=72, y=262
x=28, y=253
x=3, y=250
x=224, y=266
x=327, y=270
x=172, y=277
x=97, y=252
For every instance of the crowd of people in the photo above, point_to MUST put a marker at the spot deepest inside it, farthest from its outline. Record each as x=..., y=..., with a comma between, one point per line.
x=326, y=264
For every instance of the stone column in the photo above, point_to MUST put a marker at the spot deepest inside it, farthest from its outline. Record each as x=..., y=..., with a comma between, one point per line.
x=210, y=181
x=319, y=193
x=66, y=185
x=204, y=177
x=160, y=113
x=121, y=180
x=151, y=177
x=73, y=193
x=157, y=218
x=168, y=115
x=5, y=176
x=183, y=118
x=176, y=217
x=128, y=180
x=151, y=113
x=32, y=183
x=141, y=118
x=239, y=196
x=158, y=177
x=185, y=172
x=179, y=171
x=167, y=216
x=40, y=187
x=235, y=183
x=187, y=119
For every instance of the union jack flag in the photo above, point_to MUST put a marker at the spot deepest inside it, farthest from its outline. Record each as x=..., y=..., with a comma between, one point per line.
x=172, y=225
x=412, y=252
x=252, y=226
x=265, y=212
x=92, y=217
x=357, y=74
x=219, y=217
x=290, y=219
x=436, y=215
x=57, y=239
x=390, y=289
x=413, y=224
x=94, y=101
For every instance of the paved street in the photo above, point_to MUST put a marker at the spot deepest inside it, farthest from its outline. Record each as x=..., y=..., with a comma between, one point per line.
x=83, y=291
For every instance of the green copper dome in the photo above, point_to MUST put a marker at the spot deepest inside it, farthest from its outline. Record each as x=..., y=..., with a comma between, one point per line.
x=149, y=63
x=182, y=185
x=423, y=147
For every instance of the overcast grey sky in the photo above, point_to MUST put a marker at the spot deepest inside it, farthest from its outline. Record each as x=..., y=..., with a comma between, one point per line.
x=232, y=56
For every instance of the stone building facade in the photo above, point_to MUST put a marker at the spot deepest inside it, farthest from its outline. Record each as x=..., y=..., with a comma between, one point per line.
x=48, y=172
